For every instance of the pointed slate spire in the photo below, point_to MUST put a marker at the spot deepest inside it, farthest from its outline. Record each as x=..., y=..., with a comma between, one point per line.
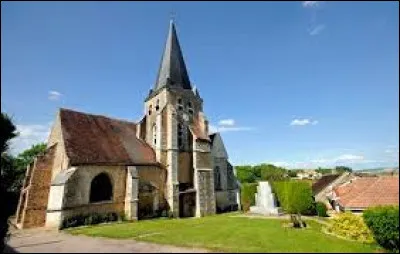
x=172, y=70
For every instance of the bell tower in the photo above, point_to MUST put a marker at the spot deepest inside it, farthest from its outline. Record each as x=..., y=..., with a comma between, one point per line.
x=175, y=124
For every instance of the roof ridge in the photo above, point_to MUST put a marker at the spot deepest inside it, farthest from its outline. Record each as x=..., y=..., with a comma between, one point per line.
x=97, y=115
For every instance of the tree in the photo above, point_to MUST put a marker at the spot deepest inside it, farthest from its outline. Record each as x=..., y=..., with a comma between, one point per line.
x=342, y=169
x=8, y=132
x=324, y=171
x=292, y=173
x=245, y=174
x=270, y=172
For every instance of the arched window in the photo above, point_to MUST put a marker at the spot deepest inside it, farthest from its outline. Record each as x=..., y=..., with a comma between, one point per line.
x=101, y=188
x=190, y=108
x=217, y=178
x=150, y=109
x=158, y=105
x=154, y=134
x=180, y=104
x=180, y=135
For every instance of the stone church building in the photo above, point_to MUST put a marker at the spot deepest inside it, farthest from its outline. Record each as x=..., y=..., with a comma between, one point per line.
x=167, y=163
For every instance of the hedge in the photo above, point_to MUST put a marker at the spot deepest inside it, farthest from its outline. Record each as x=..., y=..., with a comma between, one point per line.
x=350, y=226
x=321, y=209
x=89, y=219
x=384, y=224
x=294, y=197
x=247, y=195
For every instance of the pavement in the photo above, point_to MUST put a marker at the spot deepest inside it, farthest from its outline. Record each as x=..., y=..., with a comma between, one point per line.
x=42, y=240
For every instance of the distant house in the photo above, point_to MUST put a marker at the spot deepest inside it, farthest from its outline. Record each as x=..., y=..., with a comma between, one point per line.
x=323, y=186
x=363, y=192
x=308, y=174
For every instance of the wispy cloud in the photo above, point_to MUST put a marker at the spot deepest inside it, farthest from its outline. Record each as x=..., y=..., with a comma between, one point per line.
x=344, y=159
x=227, y=122
x=317, y=30
x=228, y=125
x=302, y=122
x=29, y=134
x=54, y=95
x=310, y=4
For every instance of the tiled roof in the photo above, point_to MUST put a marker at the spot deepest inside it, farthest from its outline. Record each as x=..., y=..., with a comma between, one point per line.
x=197, y=131
x=323, y=182
x=365, y=192
x=96, y=139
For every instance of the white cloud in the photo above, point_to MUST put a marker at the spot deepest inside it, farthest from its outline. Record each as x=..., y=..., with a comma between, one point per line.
x=228, y=125
x=28, y=136
x=54, y=95
x=310, y=4
x=227, y=122
x=316, y=30
x=349, y=158
x=301, y=122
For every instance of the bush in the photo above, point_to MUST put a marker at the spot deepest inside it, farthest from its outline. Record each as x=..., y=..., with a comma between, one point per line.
x=384, y=224
x=321, y=209
x=247, y=195
x=350, y=226
x=294, y=197
x=90, y=219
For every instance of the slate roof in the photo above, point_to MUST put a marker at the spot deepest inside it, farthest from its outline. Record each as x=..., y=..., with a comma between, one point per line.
x=96, y=139
x=172, y=69
x=324, y=182
x=365, y=192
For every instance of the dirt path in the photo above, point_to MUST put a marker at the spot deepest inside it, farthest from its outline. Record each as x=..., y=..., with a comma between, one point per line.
x=51, y=241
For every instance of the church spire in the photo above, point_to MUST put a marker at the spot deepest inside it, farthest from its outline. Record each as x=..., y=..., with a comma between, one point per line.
x=172, y=70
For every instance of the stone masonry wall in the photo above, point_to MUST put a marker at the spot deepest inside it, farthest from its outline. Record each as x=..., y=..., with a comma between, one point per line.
x=36, y=193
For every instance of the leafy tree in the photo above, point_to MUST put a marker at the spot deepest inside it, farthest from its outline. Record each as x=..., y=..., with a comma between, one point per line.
x=245, y=174
x=8, y=132
x=270, y=172
x=324, y=171
x=342, y=169
x=292, y=173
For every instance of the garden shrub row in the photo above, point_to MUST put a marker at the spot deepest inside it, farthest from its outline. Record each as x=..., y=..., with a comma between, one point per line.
x=294, y=197
x=383, y=221
x=350, y=226
x=247, y=195
x=90, y=219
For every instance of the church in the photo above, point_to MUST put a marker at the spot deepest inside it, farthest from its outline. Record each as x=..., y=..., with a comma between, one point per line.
x=166, y=164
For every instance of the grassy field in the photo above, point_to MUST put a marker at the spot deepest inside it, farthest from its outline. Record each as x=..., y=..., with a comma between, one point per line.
x=228, y=234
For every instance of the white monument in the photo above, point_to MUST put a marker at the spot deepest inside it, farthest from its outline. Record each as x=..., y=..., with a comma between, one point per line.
x=265, y=201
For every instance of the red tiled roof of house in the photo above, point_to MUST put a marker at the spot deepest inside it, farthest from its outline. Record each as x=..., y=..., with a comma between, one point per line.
x=96, y=139
x=365, y=192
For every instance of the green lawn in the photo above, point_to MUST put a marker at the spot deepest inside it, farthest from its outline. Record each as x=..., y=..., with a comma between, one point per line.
x=229, y=234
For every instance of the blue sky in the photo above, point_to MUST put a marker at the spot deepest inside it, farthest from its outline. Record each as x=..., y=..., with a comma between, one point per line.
x=299, y=84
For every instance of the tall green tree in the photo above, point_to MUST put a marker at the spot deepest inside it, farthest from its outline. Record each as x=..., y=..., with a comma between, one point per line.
x=342, y=169
x=8, y=132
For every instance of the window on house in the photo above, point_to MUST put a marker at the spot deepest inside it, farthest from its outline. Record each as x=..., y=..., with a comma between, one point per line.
x=101, y=188
x=217, y=178
x=154, y=131
x=150, y=109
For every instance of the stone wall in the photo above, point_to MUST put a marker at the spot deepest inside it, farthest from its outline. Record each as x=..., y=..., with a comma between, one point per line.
x=77, y=191
x=205, y=196
x=185, y=170
x=157, y=177
x=34, y=196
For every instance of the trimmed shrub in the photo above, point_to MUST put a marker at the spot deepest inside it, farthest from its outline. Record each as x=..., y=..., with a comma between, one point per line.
x=247, y=195
x=89, y=219
x=294, y=197
x=384, y=224
x=321, y=209
x=350, y=226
